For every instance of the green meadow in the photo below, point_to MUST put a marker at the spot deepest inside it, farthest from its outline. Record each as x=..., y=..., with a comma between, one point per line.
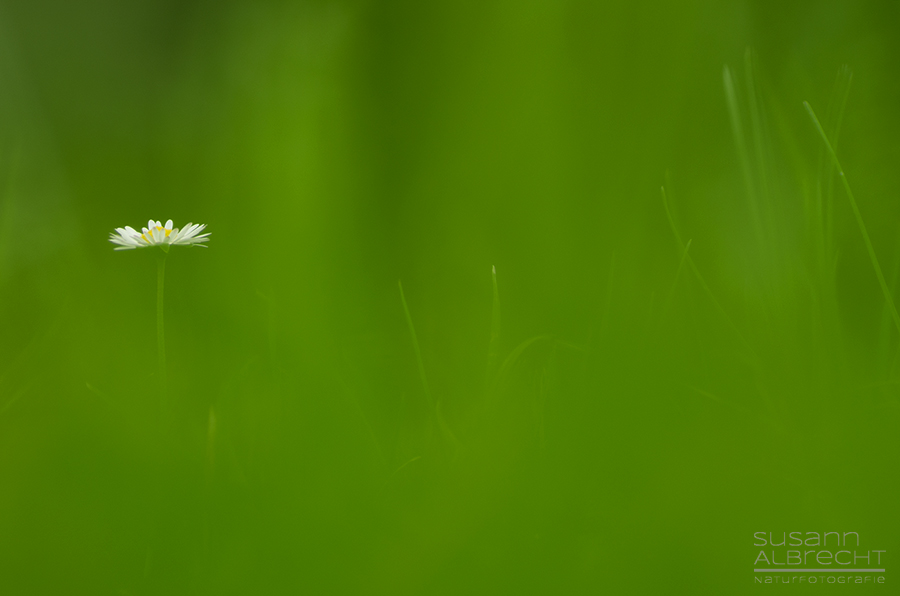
x=537, y=297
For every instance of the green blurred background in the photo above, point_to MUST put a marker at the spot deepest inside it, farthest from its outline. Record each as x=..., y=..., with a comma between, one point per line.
x=638, y=419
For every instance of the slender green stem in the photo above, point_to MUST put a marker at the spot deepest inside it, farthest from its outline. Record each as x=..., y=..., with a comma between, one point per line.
x=859, y=220
x=160, y=328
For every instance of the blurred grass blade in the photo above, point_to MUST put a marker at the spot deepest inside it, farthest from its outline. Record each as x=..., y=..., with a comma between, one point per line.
x=716, y=399
x=703, y=283
x=742, y=147
x=436, y=407
x=494, y=345
x=842, y=93
x=512, y=359
x=415, y=342
x=408, y=462
x=823, y=216
x=859, y=220
x=759, y=136
x=678, y=271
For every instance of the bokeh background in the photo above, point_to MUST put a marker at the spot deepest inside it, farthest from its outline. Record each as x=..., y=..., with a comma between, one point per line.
x=616, y=415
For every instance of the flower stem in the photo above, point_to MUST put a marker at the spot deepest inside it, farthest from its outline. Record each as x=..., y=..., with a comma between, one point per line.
x=160, y=329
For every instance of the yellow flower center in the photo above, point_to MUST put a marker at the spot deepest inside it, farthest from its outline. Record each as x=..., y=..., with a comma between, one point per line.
x=159, y=229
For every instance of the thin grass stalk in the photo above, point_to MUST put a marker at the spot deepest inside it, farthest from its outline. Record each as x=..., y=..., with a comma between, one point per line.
x=859, y=220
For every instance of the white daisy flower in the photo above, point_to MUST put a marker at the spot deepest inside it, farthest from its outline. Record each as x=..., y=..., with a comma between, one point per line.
x=157, y=234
